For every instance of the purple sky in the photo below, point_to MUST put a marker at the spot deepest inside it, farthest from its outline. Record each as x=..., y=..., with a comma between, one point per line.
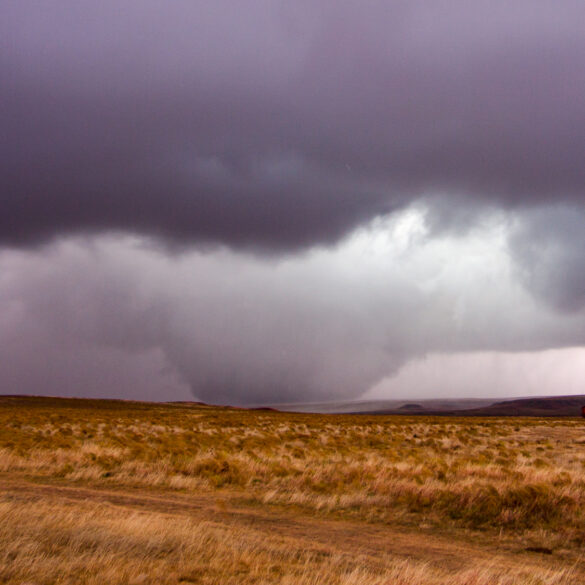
x=280, y=201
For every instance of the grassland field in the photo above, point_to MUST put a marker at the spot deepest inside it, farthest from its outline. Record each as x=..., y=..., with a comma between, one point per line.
x=125, y=493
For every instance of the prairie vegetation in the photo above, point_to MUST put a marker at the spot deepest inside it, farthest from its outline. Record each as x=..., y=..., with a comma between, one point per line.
x=144, y=493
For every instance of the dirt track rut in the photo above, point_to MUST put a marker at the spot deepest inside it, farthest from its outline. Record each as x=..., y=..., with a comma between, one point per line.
x=331, y=536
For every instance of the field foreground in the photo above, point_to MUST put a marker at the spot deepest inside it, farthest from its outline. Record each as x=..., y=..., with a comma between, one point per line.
x=96, y=492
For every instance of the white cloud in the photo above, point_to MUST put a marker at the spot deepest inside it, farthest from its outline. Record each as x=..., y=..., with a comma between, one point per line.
x=557, y=372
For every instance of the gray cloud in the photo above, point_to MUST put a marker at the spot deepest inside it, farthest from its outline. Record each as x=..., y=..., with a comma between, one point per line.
x=548, y=246
x=276, y=126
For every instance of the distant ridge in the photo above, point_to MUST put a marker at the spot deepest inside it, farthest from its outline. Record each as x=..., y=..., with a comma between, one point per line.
x=541, y=406
x=549, y=406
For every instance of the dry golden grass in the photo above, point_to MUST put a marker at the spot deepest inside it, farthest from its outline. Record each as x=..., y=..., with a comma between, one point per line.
x=54, y=544
x=516, y=483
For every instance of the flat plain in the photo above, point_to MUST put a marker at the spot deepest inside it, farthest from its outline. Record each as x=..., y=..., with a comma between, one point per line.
x=130, y=493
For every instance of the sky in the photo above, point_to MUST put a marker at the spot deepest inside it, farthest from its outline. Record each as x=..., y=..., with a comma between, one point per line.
x=277, y=201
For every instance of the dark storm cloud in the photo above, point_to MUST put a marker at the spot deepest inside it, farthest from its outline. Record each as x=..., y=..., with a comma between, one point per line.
x=413, y=168
x=279, y=125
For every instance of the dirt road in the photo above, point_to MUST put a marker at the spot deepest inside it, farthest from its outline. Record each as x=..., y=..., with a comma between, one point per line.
x=327, y=536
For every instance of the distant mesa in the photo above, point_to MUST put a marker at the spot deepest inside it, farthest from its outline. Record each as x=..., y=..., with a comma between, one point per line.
x=411, y=406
